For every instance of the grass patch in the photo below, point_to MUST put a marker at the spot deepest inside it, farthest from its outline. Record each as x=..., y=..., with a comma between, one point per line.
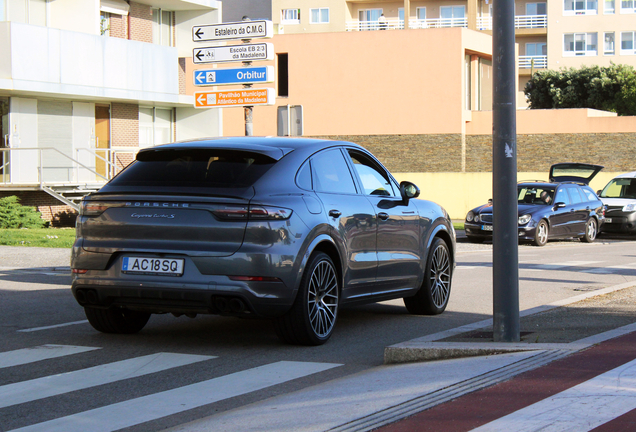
x=41, y=237
x=458, y=225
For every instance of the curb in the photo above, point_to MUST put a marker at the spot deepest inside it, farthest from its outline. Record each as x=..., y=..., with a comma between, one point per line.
x=429, y=348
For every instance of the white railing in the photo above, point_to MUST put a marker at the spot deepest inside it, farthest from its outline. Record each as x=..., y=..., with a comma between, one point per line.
x=521, y=22
x=536, y=62
x=45, y=171
x=397, y=24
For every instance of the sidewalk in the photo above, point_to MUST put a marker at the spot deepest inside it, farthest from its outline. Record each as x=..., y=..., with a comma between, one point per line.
x=390, y=394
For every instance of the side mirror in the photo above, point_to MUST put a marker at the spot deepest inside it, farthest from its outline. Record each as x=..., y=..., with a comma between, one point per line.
x=598, y=192
x=489, y=200
x=408, y=190
x=559, y=205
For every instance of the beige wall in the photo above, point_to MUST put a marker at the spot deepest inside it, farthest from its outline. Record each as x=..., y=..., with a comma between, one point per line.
x=365, y=83
x=458, y=193
x=559, y=24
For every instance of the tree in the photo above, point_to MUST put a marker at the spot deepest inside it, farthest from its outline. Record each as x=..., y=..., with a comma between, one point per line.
x=608, y=88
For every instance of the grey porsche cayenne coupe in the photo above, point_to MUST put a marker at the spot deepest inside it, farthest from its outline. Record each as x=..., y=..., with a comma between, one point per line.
x=279, y=228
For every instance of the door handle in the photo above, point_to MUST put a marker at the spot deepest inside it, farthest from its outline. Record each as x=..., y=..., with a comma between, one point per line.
x=334, y=213
x=383, y=216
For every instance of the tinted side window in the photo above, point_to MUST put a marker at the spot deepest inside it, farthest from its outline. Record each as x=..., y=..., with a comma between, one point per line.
x=373, y=178
x=589, y=194
x=562, y=196
x=303, y=178
x=575, y=196
x=330, y=173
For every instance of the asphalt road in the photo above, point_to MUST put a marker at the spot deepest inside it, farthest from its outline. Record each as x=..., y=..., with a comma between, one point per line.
x=242, y=358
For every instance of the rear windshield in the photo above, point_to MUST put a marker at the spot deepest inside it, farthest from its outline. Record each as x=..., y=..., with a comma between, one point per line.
x=620, y=188
x=195, y=168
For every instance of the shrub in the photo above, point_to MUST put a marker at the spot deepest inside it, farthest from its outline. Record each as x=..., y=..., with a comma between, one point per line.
x=607, y=88
x=15, y=215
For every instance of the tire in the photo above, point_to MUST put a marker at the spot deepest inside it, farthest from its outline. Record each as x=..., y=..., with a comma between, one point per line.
x=116, y=320
x=591, y=231
x=312, y=318
x=541, y=233
x=472, y=239
x=432, y=298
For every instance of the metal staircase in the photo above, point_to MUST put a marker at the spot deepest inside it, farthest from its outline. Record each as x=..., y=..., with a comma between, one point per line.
x=71, y=195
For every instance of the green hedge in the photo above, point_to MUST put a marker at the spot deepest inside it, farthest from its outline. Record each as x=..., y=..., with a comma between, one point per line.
x=608, y=88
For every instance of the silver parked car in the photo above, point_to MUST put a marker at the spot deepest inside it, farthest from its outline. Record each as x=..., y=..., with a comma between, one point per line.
x=277, y=228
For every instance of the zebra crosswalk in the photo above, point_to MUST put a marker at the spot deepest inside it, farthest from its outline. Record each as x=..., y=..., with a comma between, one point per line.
x=141, y=409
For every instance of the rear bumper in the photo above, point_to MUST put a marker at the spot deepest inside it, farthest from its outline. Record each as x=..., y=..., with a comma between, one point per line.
x=196, y=291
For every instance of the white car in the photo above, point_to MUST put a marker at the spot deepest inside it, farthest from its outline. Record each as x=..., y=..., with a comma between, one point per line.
x=620, y=198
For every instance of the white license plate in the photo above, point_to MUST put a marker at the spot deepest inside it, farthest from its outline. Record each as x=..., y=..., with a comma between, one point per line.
x=153, y=266
x=486, y=227
x=608, y=220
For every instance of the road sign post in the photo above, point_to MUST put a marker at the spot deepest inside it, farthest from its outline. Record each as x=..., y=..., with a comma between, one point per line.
x=245, y=30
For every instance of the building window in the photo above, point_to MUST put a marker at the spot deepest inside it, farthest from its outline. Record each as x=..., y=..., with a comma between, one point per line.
x=368, y=19
x=536, y=9
x=155, y=126
x=2, y=10
x=452, y=16
x=420, y=13
x=283, y=75
x=319, y=16
x=608, y=43
x=580, y=7
x=609, y=7
x=162, y=25
x=536, y=49
x=104, y=24
x=290, y=16
x=628, y=6
x=627, y=43
x=580, y=44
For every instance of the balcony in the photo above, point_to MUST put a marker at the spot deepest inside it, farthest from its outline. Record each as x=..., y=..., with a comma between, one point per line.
x=59, y=63
x=398, y=24
x=533, y=62
x=521, y=22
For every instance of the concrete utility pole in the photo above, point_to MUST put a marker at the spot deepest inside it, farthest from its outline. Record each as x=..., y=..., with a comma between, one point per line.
x=504, y=155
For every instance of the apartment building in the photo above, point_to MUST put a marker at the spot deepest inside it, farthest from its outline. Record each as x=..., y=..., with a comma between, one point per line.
x=85, y=83
x=550, y=34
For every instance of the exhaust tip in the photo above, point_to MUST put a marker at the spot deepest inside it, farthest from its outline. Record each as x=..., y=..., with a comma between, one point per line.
x=222, y=304
x=237, y=305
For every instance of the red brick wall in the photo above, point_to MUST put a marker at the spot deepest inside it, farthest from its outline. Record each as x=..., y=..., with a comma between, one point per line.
x=140, y=22
x=125, y=125
x=118, y=26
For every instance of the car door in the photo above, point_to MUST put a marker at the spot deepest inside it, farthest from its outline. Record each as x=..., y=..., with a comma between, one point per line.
x=560, y=215
x=352, y=217
x=398, y=237
x=578, y=212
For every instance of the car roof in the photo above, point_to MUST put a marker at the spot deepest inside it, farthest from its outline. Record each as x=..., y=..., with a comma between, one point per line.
x=627, y=175
x=274, y=147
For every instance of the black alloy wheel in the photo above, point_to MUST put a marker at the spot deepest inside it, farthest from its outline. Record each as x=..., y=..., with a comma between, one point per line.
x=312, y=318
x=432, y=298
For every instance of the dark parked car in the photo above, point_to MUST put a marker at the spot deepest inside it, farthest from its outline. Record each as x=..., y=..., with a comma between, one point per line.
x=619, y=197
x=563, y=207
x=285, y=229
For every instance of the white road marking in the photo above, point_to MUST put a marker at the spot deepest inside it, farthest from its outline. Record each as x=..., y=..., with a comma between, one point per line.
x=44, y=352
x=155, y=406
x=52, y=326
x=557, y=266
x=611, y=269
x=27, y=391
x=578, y=409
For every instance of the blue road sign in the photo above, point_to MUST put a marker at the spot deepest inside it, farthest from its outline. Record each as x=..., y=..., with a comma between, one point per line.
x=247, y=75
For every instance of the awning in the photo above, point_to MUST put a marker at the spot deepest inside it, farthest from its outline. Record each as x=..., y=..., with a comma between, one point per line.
x=117, y=7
